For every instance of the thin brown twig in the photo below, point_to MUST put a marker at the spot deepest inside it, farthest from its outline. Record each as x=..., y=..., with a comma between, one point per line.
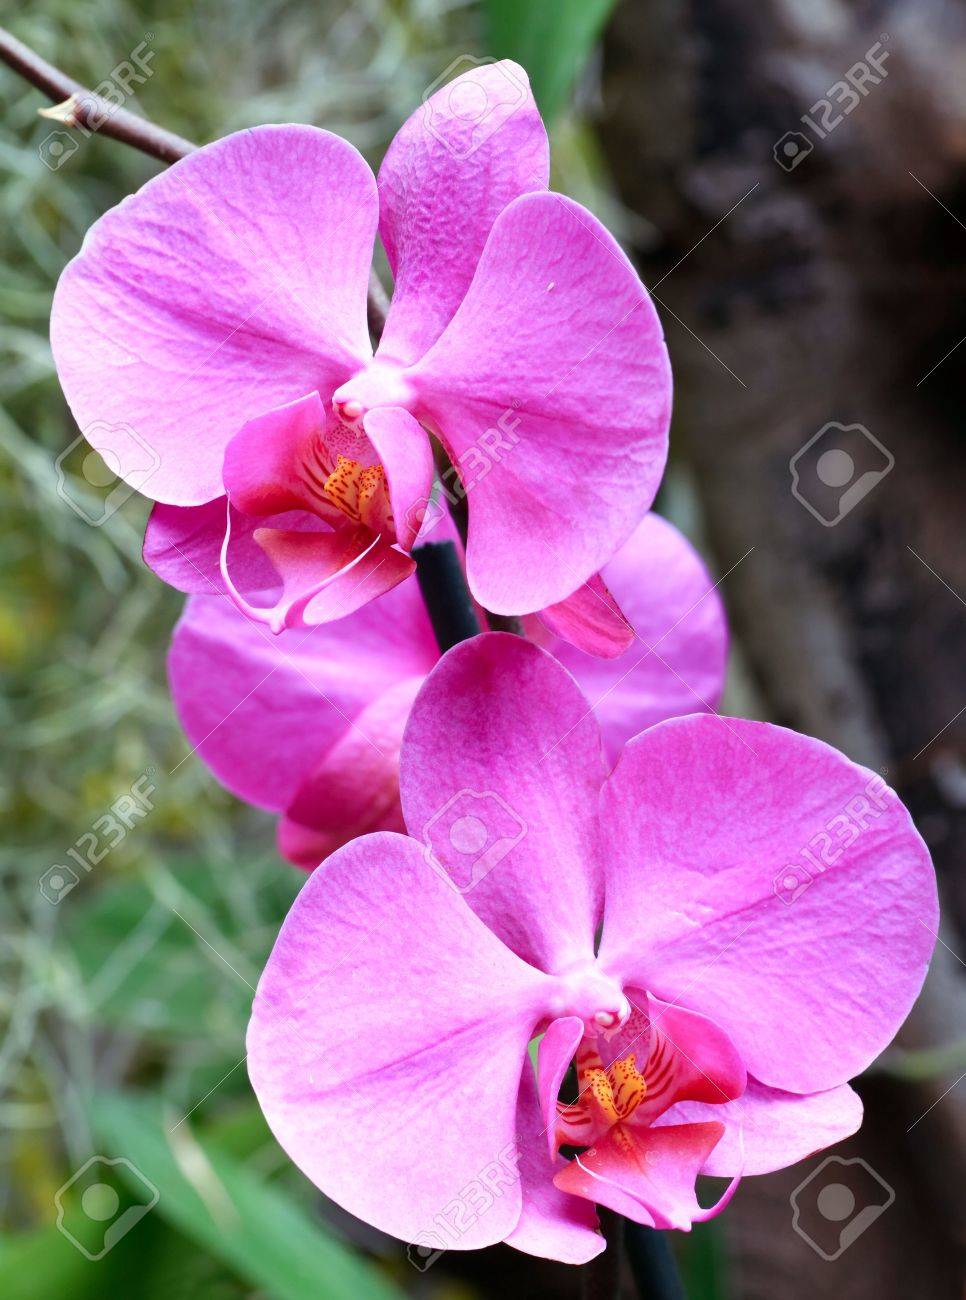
x=88, y=110
x=83, y=109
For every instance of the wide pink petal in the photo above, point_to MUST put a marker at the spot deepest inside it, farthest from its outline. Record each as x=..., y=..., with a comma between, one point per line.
x=719, y=898
x=386, y=1045
x=554, y=371
x=404, y=449
x=231, y=283
x=766, y=1129
x=676, y=662
x=324, y=576
x=474, y=145
x=591, y=620
x=355, y=788
x=552, y=1224
x=264, y=712
x=500, y=775
x=648, y=1175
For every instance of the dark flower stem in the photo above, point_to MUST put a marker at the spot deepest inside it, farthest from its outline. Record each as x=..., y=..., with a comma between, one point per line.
x=652, y=1263
x=457, y=498
x=445, y=594
x=601, y=1278
x=649, y=1255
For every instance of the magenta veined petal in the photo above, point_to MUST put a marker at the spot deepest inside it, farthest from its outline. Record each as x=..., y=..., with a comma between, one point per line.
x=500, y=773
x=228, y=285
x=266, y=712
x=648, y=1175
x=714, y=825
x=404, y=449
x=355, y=788
x=558, y=342
x=387, y=1056
x=554, y=1056
x=464, y=154
x=182, y=545
x=272, y=463
x=591, y=620
x=325, y=576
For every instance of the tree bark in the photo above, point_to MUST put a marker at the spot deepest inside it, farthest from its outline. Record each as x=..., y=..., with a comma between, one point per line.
x=832, y=292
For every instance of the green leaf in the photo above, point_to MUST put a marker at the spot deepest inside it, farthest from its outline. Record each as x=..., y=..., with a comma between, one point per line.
x=42, y=1264
x=550, y=38
x=249, y=1224
x=161, y=953
x=153, y=1263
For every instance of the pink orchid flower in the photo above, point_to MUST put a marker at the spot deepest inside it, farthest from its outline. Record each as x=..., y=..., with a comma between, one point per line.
x=713, y=1026
x=211, y=338
x=309, y=724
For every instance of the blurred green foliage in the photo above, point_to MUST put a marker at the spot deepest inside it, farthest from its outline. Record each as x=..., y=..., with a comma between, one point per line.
x=125, y=996
x=550, y=38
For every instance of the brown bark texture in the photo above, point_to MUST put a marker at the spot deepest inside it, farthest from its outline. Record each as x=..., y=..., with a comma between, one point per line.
x=828, y=301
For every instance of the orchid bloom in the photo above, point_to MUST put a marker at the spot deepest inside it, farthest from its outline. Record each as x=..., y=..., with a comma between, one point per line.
x=309, y=724
x=713, y=1026
x=211, y=338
